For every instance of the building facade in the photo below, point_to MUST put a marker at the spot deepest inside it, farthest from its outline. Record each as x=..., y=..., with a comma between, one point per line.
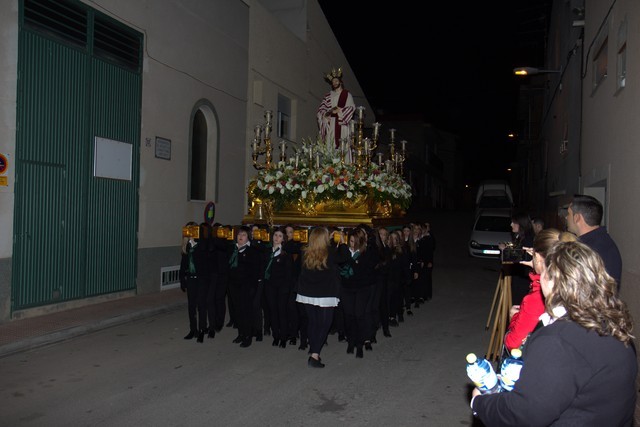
x=122, y=121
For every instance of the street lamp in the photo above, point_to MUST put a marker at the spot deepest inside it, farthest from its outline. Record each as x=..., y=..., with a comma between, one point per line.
x=529, y=71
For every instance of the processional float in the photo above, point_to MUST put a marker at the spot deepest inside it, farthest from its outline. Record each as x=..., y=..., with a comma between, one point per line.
x=355, y=184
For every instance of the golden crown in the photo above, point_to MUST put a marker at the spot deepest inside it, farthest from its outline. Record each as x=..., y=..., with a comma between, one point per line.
x=334, y=74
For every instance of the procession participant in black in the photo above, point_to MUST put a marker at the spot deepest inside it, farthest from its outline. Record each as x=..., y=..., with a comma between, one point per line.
x=278, y=275
x=194, y=276
x=245, y=277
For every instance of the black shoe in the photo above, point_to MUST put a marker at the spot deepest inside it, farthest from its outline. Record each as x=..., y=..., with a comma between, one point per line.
x=246, y=343
x=275, y=342
x=212, y=333
x=409, y=313
x=374, y=340
x=229, y=324
x=259, y=337
x=283, y=343
x=190, y=335
x=315, y=363
x=393, y=322
x=302, y=346
x=359, y=353
x=341, y=338
x=400, y=318
x=293, y=341
x=421, y=300
x=201, y=336
x=267, y=331
x=238, y=339
x=386, y=333
x=350, y=349
x=367, y=346
x=416, y=305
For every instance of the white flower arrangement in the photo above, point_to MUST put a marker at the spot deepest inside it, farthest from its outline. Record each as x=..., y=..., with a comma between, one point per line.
x=328, y=181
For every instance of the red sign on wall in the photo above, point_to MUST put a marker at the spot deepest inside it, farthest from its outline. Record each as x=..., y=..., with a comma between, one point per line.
x=4, y=163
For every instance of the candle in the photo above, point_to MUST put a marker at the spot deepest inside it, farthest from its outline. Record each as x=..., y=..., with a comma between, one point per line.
x=342, y=146
x=267, y=116
x=283, y=146
x=258, y=131
x=366, y=146
x=380, y=159
x=255, y=146
x=393, y=134
x=376, y=128
x=297, y=159
x=317, y=161
x=404, y=145
x=360, y=113
x=352, y=126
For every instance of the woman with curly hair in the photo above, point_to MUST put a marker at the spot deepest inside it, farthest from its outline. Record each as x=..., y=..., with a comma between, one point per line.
x=580, y=369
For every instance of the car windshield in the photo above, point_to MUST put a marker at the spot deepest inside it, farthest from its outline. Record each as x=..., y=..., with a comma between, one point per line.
x=493, y=223
x=494, y=202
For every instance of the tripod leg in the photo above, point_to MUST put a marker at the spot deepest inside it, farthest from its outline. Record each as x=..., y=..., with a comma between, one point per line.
x=497, y=298
x=493, y=304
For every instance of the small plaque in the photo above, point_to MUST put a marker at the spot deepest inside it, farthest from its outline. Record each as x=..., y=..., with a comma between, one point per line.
x=163, y=148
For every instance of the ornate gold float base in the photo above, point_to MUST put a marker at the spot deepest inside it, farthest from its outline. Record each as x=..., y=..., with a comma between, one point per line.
x=348, y=213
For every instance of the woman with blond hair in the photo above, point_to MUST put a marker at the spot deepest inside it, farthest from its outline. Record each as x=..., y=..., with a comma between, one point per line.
x=580, y=368
x=319, y=287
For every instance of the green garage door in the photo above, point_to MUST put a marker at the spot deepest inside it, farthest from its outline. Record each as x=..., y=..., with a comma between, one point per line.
x=77, y=154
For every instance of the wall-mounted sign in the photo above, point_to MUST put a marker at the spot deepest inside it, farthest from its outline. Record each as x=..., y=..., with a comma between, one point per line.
x=4, y=163
x=163, y=148
x=112, y=159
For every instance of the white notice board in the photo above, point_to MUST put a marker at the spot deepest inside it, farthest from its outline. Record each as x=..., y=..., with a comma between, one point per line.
x=112, y=159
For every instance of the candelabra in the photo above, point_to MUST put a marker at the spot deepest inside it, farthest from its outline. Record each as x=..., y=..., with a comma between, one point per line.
x=363, y=148
x=262, y=143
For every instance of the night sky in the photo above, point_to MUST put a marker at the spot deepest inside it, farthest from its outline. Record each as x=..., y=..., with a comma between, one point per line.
x=452, y=63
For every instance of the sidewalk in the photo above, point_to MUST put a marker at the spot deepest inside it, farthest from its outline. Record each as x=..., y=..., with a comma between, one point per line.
x=26, y=334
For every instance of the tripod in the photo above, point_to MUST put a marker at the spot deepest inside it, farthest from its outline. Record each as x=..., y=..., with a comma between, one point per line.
x=500, y=313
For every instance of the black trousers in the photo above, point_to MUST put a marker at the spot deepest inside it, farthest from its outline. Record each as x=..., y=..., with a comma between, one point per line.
x=243, y=296
x=278, y=303
x=357, y=321
x=320, y=319
x=197, y=289
x=219, y=301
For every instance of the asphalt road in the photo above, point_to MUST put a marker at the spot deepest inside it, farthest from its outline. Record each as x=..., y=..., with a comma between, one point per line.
x=144, y=374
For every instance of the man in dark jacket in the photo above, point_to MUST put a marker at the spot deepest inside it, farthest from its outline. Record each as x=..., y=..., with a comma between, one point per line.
x=583, y=219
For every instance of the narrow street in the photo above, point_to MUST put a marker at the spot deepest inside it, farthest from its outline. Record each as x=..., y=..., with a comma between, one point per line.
x=144, y=373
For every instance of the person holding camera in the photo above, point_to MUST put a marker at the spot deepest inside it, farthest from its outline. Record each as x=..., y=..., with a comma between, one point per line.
x=524, y=317
x=513, y=253
x=579, y=369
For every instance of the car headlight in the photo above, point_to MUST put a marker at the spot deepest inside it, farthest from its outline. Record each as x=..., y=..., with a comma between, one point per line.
x=474, y=244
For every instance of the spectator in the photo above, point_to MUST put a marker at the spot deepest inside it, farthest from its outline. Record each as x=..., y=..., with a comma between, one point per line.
x=583, y=219
x=537, y=224
x=580, y=369
x=524, y=317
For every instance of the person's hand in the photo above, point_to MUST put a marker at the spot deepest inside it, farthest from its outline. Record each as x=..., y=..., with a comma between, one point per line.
x=513, y=310
x=475, y=392
x=501, y=246
x=527, y=263
x=415, y=276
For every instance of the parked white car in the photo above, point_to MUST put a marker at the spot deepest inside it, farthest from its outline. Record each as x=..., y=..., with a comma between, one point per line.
x=491, y=227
